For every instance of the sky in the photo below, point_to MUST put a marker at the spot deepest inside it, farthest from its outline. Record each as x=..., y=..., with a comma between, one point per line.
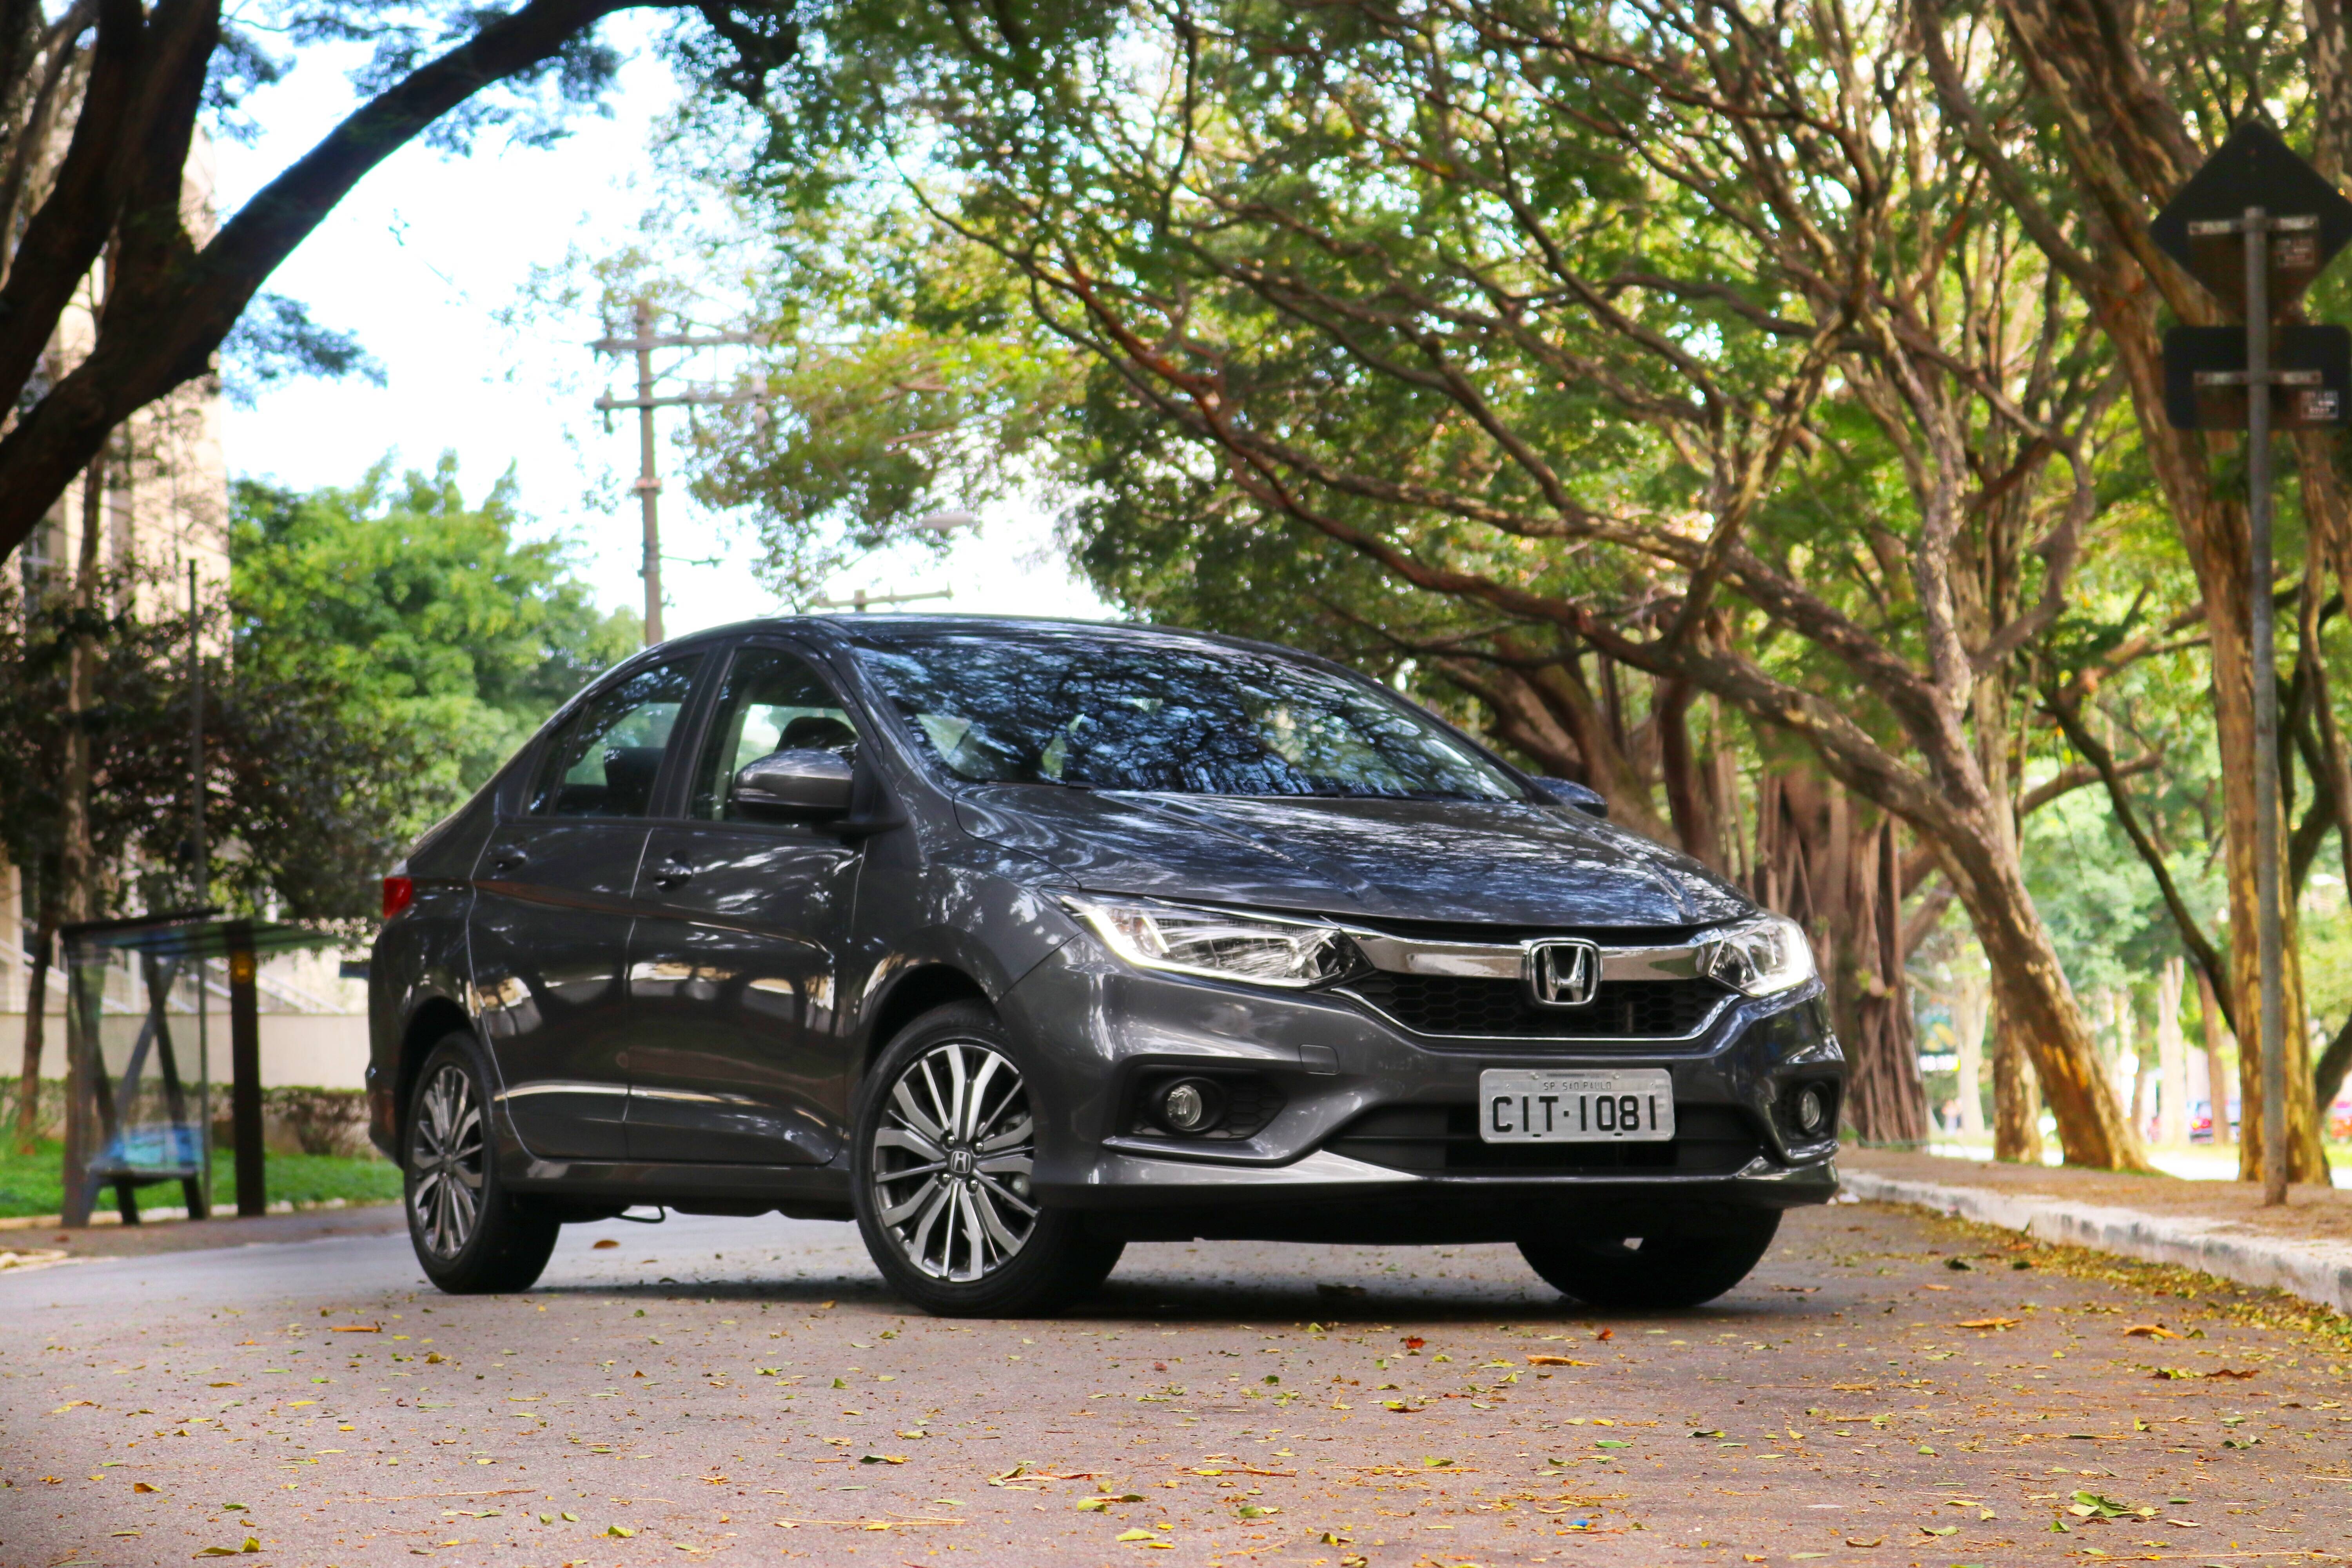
x=420, y=262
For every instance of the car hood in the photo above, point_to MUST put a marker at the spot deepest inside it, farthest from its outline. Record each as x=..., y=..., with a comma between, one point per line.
x=1486, y=863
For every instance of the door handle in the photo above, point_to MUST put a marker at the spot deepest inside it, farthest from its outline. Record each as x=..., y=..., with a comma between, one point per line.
x=672, y=874
x=508, y=860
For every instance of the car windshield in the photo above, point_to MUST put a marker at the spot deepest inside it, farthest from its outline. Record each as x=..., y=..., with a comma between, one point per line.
x=1165, y=714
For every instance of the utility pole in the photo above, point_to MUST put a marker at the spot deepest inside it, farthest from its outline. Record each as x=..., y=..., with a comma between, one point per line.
x=648, y=485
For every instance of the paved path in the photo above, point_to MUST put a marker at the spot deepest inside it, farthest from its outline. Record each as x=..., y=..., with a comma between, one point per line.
x=745, y=1387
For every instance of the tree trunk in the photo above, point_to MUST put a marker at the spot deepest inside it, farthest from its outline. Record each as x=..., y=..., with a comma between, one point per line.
x=2172, y=1055
x=2217, y=1073
x=1686, y=794
x=2035, y=1001
x=37, y=996
x=2016, y=1109
x=2214, y=529
x=1969, y=1000
x=1819, y=864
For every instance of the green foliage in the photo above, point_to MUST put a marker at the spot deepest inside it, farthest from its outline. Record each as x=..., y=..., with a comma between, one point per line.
x=32, y=1184
x=431, y=621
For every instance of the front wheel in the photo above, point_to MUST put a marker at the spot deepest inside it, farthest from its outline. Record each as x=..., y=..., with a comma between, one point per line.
x=946, y=1142
x=1690, y=1261
x=470, y=1237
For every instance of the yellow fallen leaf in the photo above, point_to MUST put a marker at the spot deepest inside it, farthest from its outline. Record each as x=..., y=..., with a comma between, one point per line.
x=1555, y=1361
x=70, y=1404
x=2150, y=1332
x=1985, y=1323
x=143, y=1487
x=1133, y=1535
x=357, y=1329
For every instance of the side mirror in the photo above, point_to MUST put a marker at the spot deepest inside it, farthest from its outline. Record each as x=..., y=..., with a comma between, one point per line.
x=797, y=783
x=1568, y=791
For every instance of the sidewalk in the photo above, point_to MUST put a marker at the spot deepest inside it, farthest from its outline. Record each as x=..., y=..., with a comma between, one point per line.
x=2304, y=1247
x=37, y=1246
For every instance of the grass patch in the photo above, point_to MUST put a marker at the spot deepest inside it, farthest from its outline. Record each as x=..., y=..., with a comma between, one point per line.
x=34, y=1184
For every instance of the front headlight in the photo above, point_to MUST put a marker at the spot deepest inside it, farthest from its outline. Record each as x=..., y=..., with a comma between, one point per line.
x=1761, y=957
x=1260, y=950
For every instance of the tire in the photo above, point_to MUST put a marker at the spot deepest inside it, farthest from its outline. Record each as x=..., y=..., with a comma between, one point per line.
x=944, y=1143
x=1698, y=1261
x=471, y=1236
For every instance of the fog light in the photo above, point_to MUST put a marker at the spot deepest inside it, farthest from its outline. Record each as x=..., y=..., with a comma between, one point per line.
x=1190, y=1105
x=1813, y=1111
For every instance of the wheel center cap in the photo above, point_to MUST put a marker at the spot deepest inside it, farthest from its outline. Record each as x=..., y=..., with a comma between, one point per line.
x=960, y=1163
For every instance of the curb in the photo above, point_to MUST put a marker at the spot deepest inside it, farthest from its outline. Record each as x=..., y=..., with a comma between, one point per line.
x=2317, y=1272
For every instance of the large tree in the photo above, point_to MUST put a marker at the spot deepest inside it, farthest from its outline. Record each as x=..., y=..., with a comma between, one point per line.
x=2085, y=118
x=1651, y=330
x=100, y=102
x=428, y=617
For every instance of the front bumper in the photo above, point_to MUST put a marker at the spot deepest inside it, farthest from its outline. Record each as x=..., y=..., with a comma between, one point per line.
x=1319, y=1167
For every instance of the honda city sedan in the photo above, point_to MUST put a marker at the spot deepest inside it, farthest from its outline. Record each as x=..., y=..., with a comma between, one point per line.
x=1019, y=941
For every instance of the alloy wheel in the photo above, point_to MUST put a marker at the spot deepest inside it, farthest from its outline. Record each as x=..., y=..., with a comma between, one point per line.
x=446, y=1152
x=950, y=1163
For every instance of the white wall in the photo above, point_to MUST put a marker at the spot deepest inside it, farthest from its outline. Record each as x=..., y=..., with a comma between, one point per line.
x=315, y=1050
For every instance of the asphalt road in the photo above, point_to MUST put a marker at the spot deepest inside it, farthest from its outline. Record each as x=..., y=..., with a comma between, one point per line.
x=745, y=1387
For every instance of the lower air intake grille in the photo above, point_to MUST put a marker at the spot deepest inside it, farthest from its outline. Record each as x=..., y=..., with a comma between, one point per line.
x=1709, y=1140
x=1623, y=1009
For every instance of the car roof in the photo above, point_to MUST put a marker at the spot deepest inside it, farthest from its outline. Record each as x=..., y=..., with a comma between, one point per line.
x=846, y=627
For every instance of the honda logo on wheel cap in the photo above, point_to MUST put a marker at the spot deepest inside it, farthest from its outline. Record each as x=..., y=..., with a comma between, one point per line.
x=1563, y=973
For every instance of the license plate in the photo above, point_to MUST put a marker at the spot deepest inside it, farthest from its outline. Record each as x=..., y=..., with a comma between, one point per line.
x=1630, y=1105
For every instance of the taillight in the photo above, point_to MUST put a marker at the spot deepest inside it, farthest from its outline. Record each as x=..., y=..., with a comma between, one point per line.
x=399, y=892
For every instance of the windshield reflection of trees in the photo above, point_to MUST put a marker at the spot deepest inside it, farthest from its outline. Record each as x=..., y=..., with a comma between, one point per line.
x=1168, y=716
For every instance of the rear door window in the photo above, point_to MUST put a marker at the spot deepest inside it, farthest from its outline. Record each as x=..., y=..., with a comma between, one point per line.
x=606, y=760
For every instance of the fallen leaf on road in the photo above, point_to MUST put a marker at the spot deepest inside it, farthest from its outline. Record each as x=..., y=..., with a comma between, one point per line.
x=881, y=1458
x=1856, y=1540
x=1987, y=1324
x=251, y=1544
x=2184, y=1524
x=1606, y=1334
x=1133, y=1535
x=72, y=1403
x=1934, y=1287
x=143, y=1487
x=1944, y=1530
x=2150, y=1332
x=1854, y=1387
x=1555, y=1361
x=2227, y=1372
x=623, y=1530
x=356, y=1329
x=1798, y=1290
x=606, y=1241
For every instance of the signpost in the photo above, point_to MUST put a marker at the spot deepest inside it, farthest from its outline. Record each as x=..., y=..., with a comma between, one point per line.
x=2255, y=226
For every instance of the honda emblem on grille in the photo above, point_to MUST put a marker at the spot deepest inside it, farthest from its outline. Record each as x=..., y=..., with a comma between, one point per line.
x=1563, y=973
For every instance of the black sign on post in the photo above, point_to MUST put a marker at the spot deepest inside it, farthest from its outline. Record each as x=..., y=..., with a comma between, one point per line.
x=2205, y=377
x=2200, y=227
x=2255, y=226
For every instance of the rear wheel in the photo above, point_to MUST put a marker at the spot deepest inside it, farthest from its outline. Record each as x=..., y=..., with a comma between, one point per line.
x=470, y=1235
x=946, y=1142
x=1687, y=1262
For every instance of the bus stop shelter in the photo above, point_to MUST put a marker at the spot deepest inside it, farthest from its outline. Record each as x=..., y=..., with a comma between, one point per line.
x=138, y=1088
